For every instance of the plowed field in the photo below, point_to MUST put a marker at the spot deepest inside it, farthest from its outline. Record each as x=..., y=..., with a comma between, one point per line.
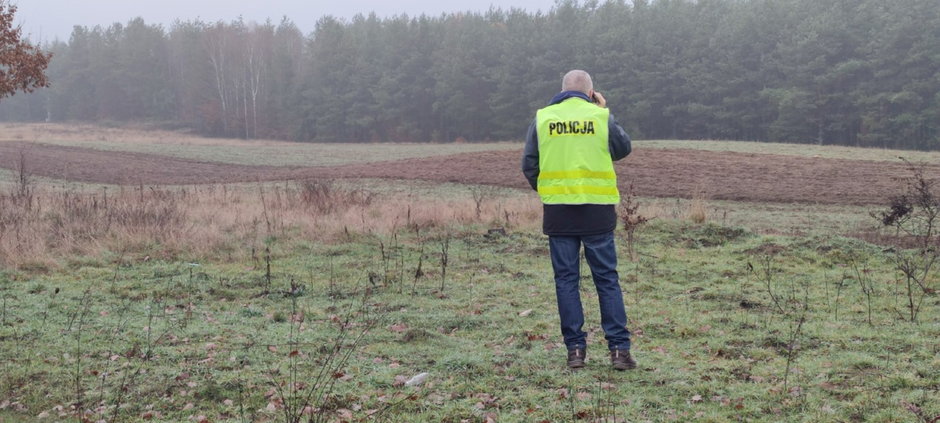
x=654, y=173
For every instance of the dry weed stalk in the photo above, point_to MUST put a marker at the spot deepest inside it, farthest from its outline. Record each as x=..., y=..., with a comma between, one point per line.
x=632, y=220
x=312, y=373
x=480, y=194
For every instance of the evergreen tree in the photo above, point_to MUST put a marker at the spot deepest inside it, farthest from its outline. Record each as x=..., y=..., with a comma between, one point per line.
x=863, y=73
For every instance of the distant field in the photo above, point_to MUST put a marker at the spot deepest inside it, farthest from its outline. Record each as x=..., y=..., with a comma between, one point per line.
x=281, y=153
x=233, y=151
x=292, y=154
x=804, y=187
x=653, y=173
x=801, y=150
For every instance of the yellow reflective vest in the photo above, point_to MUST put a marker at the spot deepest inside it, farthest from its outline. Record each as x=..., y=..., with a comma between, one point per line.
x=574, y=159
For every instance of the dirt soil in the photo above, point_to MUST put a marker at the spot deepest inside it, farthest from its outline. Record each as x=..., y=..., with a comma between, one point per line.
x=654, y=173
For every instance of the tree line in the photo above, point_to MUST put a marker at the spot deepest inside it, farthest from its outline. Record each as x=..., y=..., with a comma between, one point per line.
x=850, y=72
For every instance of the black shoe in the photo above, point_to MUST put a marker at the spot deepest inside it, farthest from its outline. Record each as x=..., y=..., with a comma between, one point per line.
x=621, y=360
x=576, y=358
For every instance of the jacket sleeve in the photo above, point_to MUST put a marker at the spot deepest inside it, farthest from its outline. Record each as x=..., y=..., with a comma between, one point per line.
x=530, y=157
x=618, y=142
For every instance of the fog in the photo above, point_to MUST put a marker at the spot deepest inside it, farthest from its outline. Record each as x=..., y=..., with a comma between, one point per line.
x=47, y=20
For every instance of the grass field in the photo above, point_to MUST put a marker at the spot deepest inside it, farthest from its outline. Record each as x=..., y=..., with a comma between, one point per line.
x=802, y=150
x=279, y=153
x=233, y=151
x=318, y=301
x=127, y=337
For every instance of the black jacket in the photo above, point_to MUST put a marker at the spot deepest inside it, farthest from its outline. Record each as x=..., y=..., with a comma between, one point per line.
x=581, y=219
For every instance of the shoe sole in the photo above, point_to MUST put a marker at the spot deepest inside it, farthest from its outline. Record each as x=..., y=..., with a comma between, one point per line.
x=624, y=366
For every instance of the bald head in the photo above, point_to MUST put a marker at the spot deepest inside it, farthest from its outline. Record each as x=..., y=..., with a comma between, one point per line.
x=577, y=80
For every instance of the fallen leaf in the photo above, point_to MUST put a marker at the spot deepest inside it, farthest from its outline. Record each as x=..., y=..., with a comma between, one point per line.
x=525, y=313
x=913, y=408
x=696, y=398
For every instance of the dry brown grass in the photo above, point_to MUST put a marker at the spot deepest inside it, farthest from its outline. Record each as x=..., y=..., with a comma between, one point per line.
x=48, y=227
x=698, y=210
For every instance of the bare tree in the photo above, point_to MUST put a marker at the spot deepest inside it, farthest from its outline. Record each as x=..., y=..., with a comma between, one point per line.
x=257, y=46
x=216, y=46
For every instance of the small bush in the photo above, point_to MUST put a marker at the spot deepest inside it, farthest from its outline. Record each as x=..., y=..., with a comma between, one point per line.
x=323, y=197
x=698, y=211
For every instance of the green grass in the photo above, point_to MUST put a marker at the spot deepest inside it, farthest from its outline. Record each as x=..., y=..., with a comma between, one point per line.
x=292, y=154
x=778, y=218
x=711, y=342
x=9, y=180
x=803, y=150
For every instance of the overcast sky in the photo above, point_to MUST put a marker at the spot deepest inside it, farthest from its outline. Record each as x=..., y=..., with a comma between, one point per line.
x=47, y=19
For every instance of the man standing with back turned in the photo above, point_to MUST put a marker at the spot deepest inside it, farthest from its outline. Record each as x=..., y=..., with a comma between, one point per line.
x=568, y=159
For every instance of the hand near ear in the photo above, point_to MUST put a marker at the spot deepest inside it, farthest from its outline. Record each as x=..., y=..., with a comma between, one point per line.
x=599, y=99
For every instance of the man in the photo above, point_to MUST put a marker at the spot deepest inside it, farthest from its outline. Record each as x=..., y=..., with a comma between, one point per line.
x=568, y=158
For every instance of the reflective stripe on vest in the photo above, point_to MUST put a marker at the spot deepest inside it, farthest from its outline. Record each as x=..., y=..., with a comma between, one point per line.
x=574, y=158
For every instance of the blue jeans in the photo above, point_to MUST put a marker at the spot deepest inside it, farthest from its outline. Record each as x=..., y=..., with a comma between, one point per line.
x=601, y=255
